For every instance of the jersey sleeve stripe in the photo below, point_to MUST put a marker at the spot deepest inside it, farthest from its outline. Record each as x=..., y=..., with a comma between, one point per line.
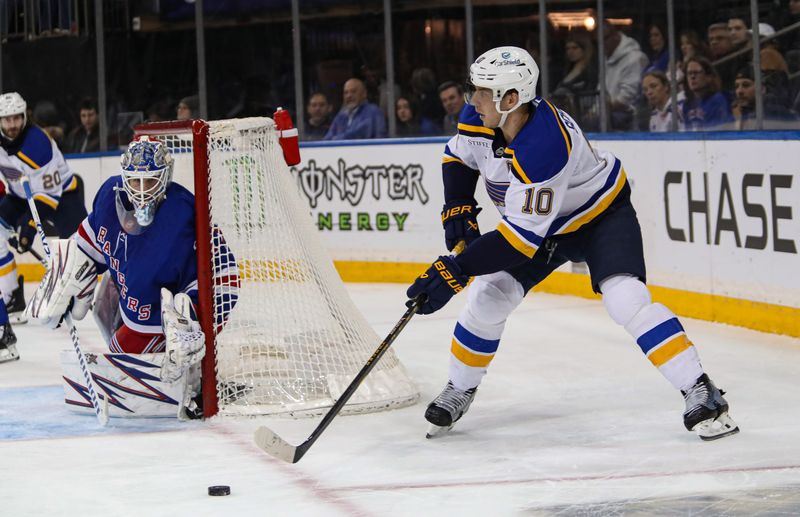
x=87, y=242
x=594, y=206
x=520, y=244
x=560, y=122
x=71, y=185
x=32, y=164
x=516, y=168
x=451, y=159
x=47, y=199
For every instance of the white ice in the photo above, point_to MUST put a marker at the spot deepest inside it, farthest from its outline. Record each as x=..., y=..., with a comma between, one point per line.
x=570, y=420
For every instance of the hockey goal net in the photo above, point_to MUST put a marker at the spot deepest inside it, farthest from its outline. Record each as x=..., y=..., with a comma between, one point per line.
x=291, y=340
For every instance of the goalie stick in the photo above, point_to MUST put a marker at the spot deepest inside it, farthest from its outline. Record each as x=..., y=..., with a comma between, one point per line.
x=102, y=416
x=279, y=448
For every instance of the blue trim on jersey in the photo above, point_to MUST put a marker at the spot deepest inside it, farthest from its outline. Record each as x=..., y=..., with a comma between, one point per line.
x=496, y=191
x=37, y=147
x=528, y=235
x=609, y=184
x=475, y=343
x=448, y=152
x=541, y=149
x=659, y=334
x=469, y=116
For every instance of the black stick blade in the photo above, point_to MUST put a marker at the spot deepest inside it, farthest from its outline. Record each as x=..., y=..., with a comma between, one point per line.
x=276, y=446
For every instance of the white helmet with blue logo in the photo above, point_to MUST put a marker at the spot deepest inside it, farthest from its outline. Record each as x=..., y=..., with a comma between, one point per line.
x=502, y=69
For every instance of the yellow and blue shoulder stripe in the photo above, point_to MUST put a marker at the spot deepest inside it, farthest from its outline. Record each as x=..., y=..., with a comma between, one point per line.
x=470, y=124
x=542, y=148
x=37, y=149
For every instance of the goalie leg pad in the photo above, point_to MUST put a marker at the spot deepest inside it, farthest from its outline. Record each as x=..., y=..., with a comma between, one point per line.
x=68, y=285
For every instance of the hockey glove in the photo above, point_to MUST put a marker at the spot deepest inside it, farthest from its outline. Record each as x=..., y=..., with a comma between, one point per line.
x=460, y=221
x=68, y=285
x=185, y=341
x=437, y=285
x=26, y=233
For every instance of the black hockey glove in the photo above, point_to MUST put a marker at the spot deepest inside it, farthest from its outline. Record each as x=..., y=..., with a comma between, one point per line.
x=26, y=233
x=437, y=285
x=460, y=221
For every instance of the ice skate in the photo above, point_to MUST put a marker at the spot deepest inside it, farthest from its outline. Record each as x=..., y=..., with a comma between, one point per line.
x=16, y=305
x=707, y=411
x=447, y=408
x=8, y=347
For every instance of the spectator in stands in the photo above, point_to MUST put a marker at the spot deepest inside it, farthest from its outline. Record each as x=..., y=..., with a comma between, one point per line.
x=451, y=94
x=659, y=57
x=45, y=115
x=318, y=110
x=739, y=31
x=407, y=119
x=581, y=72
x=776, y=116
x=705, y=107
x=188, y=108
x=357, y=118
x=690, y=45
x=85, y=138
x=423, y=87
x=655, y=87
x=719, y=41
x=624, y=64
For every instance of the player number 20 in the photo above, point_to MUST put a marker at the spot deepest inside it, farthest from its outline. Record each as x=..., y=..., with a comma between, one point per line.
x=544, y=201
x=51, y=180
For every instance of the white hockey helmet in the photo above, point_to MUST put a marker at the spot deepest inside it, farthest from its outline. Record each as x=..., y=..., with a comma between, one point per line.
x=12, y=103
x=146, y=169
x=502, y=69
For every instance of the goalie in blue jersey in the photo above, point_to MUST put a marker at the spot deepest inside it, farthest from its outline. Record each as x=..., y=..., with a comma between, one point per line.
x=141, y=230
x=561, y=200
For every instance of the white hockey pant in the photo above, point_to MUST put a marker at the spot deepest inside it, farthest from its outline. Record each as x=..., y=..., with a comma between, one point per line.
x=655, y=328
x=490, y=299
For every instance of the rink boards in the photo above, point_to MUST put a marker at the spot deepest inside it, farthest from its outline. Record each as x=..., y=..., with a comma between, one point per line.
x=720, y=217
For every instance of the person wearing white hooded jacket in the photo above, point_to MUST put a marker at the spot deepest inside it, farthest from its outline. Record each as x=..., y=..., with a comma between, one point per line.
x=625, y=62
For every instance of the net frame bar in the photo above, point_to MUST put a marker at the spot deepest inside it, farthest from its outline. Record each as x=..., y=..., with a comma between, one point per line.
x=199, y=129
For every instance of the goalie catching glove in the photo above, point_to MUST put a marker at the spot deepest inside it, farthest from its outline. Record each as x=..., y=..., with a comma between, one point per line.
x=185, y=341
x=67, y=286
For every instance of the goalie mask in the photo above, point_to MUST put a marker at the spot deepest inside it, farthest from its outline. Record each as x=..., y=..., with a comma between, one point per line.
x=503, y=69
x=146, y=169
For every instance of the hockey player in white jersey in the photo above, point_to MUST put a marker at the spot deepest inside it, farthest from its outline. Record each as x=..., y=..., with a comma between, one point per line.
x=560, y=200
x=27, y=151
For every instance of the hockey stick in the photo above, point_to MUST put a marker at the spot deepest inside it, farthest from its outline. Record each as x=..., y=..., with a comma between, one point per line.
x=102, y=416
x=276, y=446
x=279, y=448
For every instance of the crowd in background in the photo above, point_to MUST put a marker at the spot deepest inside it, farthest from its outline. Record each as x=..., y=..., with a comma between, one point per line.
x=714, y=70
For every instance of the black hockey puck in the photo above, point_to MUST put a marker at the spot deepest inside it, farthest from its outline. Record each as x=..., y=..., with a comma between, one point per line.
x=219, y=490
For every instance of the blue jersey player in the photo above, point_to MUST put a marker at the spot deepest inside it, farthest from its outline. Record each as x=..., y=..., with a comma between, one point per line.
x=560, y=200
x=142, y=231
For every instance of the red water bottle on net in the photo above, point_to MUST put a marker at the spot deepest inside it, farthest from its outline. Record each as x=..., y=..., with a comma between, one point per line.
x=287, y=136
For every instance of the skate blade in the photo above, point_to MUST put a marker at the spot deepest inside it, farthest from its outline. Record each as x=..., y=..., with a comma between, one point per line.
x=714, y=429
x=434, y=431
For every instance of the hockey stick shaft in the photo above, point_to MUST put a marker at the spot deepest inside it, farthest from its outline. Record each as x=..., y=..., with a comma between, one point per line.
x=102, y=416
x=279, y=448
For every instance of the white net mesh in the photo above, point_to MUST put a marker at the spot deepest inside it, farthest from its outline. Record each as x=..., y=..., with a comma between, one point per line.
x=293, y=341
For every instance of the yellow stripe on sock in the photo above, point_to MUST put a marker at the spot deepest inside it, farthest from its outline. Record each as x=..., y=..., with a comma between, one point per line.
x=468, y=357
x=8, y=268
x=669, y=350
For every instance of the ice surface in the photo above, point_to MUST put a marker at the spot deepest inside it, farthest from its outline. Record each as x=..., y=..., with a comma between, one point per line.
x=571, y=420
